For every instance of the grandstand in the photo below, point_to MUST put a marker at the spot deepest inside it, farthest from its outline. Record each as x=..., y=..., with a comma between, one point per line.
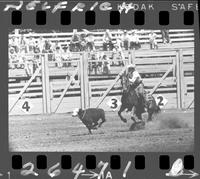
x=181, y=38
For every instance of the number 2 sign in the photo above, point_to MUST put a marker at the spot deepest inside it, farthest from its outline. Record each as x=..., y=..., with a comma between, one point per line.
x=161, y=101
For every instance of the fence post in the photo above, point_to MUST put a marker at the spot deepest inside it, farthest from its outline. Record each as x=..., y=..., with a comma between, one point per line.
x=45, y=85
x=129, y=58
x=178, y=79
x=133, y=56
x=48, y=93
x=86, y=80
x=82, y=81
x=183, y=88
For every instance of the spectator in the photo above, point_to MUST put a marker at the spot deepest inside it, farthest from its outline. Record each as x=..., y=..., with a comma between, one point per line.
x=37, y=47
x=83, y=41
x=107, y=41
x=75, y=42
x=93, y=65
x=29, y=65
x=47, y=46
x=56, y=45
x=23, y=44
x=106, y=64
x=58, y=57
x=117, y=52
x=41, y=42
x=125, y=40
x=12, y=57
x=134, y=41
x=36, y=55
x=152, y=40
x=14, y=42
x=31, y=44
x=90, y=42
x=66, y=56
x=165, y=36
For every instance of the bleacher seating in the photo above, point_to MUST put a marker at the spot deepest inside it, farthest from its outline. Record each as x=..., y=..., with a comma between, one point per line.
x=183, y=37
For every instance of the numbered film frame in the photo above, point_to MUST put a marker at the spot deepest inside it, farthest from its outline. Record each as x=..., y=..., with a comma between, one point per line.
x=173, y=135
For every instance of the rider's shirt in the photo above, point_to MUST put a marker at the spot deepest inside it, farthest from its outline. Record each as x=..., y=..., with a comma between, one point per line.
x=135, y=76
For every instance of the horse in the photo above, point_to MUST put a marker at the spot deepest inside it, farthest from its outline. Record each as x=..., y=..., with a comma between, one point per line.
x=132, y=102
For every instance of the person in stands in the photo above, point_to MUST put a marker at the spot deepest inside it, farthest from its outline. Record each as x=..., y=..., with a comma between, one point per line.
x=125, y=40
x=106, y=64
x=90, y=42
x=152, y=40
x=58, y=57
x=134, y=41
x=107, y=41
x=75, y=43
x=165, y=36
x=31, y=44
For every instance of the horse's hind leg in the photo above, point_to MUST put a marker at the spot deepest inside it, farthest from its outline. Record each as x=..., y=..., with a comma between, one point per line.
x=122, y=108
x=150, y=114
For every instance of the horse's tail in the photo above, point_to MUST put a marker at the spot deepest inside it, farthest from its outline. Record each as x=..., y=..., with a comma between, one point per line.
x=156, y=108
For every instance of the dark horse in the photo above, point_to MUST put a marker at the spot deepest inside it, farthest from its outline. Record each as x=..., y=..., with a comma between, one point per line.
x=131, y=101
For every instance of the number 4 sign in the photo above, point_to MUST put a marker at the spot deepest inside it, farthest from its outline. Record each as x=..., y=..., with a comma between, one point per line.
x=113, y=103
x=26, y=106
x=161, y=101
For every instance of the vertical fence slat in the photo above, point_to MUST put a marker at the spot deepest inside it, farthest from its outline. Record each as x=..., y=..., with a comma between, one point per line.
x=82, y=82
x=86, y=81
x=48, y=99
x=178, y=80
x=43, y=85
x=183, y=88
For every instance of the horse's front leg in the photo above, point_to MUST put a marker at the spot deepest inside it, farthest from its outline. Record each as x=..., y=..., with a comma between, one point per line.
x=133, y=114
x=138, y=113
x=122, y=108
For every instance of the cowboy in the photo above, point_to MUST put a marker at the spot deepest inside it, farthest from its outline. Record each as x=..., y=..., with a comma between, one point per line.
x=75, y=43
x=152, y=40
x=136, y=82
x=125, y=39
x=134, y=41
x=107, y=40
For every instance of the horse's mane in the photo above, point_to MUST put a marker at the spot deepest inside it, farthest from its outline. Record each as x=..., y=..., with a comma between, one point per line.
x=125, y=82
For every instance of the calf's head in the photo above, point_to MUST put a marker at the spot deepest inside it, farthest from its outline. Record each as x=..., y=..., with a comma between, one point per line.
x=77, y=112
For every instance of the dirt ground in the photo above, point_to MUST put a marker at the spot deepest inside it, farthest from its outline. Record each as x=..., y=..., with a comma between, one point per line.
x=171, y=131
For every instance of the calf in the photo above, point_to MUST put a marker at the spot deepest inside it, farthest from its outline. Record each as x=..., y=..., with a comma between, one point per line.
x=90, y=117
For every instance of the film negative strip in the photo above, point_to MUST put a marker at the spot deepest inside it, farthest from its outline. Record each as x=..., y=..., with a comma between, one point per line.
x=99, y=89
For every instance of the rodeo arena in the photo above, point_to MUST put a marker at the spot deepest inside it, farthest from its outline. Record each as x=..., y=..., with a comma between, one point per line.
x=101, y=90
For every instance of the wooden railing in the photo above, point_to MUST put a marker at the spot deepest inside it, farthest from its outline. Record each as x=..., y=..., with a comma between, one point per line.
x=152, y=65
